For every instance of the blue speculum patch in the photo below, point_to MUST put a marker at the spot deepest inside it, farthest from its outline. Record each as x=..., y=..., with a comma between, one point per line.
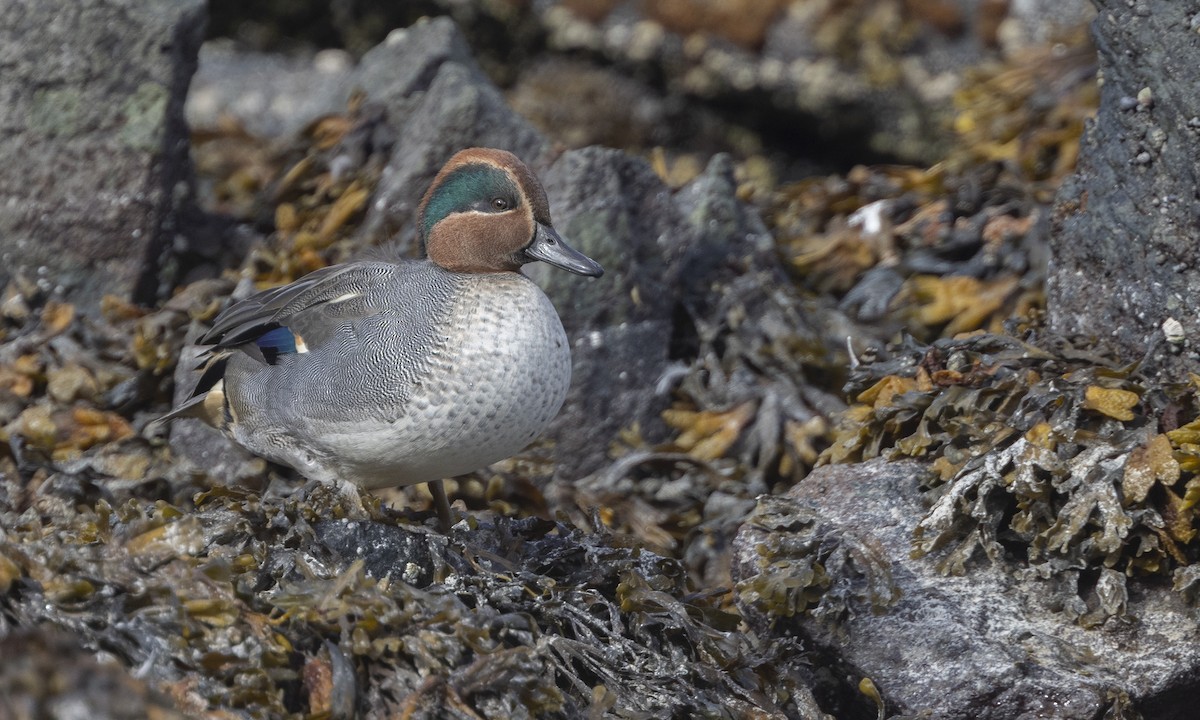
x=280, y=340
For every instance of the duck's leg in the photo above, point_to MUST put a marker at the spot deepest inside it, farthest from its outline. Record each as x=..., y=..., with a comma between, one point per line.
x=445, y=518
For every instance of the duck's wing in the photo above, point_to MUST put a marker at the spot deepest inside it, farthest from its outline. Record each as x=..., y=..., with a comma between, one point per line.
x=309, y=309
x=295, y=317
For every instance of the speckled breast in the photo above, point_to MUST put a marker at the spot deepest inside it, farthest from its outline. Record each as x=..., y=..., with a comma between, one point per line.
x=498, y=376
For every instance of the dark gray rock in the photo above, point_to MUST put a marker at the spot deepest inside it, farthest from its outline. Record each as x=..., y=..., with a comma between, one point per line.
x=730, y=237
x=988, y=644
x=269, y=95
x=684, y=269
x=94, y=149
x=386, y=550
x=277, y=96
x=1124, y=264
x=409, y=60
x=613, y=208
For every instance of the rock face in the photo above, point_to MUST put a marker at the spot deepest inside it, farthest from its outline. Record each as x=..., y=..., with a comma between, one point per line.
x=988, y=644
x=675, y=258
x=1124, y=249
x=94, y=94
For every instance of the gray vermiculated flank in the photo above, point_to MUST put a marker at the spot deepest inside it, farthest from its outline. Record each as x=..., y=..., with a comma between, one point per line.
x=425, y=374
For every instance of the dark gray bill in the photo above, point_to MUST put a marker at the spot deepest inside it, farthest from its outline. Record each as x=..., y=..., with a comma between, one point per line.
x=548, y=247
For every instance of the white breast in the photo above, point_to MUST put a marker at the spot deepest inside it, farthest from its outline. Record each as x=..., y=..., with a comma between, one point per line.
x=498, y=380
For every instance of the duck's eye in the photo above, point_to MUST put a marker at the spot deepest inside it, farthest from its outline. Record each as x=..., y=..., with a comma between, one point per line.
x=499, y=204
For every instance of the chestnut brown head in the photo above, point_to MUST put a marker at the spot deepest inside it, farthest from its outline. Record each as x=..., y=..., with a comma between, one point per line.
x=486, y=212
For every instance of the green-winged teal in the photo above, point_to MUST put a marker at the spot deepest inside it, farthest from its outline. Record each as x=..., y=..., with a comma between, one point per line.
x=389, y=372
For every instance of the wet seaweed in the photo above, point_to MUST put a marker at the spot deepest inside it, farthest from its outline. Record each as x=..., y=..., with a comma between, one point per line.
x=1047, y=456
x=269, y=607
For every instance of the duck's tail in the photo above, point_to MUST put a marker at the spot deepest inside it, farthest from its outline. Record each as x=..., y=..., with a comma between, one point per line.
x=207, y=401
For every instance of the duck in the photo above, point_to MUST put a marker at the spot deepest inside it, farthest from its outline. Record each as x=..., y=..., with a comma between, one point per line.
x=388, y=372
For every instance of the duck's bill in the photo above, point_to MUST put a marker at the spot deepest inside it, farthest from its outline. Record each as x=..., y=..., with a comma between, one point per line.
x=549, y=247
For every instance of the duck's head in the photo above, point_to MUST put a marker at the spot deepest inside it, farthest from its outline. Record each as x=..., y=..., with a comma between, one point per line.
x=486, y=212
